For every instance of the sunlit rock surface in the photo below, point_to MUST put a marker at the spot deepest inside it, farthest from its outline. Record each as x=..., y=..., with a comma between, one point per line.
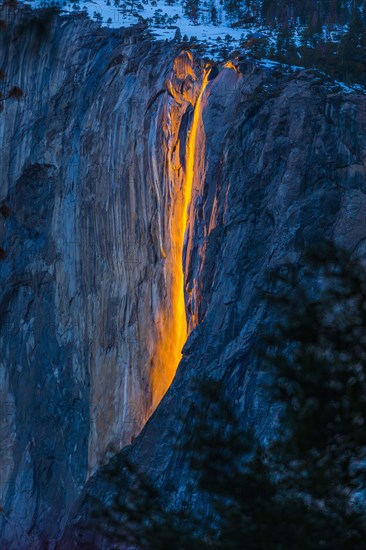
x=93, y=182
x=89, y=332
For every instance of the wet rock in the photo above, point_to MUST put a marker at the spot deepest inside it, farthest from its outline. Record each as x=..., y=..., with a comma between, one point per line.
x=94, y=156
x=272, y=177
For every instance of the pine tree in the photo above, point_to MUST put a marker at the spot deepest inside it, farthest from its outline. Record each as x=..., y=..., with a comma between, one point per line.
x=178, y=35
x=305, y=489
x=192, y=10
x=232, y=8
x=213, y=13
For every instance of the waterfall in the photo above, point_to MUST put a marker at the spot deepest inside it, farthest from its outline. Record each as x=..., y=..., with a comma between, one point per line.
x=174, y=322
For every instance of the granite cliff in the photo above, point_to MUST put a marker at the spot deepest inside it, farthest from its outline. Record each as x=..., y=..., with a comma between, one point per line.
x=114, y=137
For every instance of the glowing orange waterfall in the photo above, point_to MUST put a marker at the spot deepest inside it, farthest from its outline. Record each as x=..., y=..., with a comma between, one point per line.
x=191, y=154
x=174, y=322
x=182, y=223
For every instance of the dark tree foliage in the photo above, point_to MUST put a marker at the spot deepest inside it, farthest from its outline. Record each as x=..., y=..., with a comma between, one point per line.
x=192, y=9
x=306, y=488
x=326, y=34
x=329, y=38
x=317, y=354
x=329, y=34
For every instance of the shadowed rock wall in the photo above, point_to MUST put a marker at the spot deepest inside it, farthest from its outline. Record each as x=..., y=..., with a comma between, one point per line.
x=281, y=165
x=93, y=160
x=90, y=272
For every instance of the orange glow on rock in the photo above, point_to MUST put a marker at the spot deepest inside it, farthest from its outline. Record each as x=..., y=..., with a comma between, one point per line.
x=230, y=65
x=191, y=154
x=172, y=324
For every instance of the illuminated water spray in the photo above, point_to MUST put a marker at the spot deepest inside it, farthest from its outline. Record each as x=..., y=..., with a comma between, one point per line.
x=168, y=353
x=191, y=155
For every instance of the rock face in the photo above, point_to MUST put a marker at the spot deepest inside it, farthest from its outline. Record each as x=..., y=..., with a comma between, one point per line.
x=91, y=332
x=94, y=183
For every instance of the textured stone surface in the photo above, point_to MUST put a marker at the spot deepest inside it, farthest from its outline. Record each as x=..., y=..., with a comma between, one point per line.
x=93, y=162
x=86, y=285
x=282, y=165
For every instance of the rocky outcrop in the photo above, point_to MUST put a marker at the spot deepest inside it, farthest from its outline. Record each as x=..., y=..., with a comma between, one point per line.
x=281, y=166
x=91, y=209
x=88, y=283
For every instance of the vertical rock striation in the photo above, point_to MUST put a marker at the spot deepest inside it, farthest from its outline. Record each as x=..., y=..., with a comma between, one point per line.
x=99, y=159
x=92, y=311
x=280, y=164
